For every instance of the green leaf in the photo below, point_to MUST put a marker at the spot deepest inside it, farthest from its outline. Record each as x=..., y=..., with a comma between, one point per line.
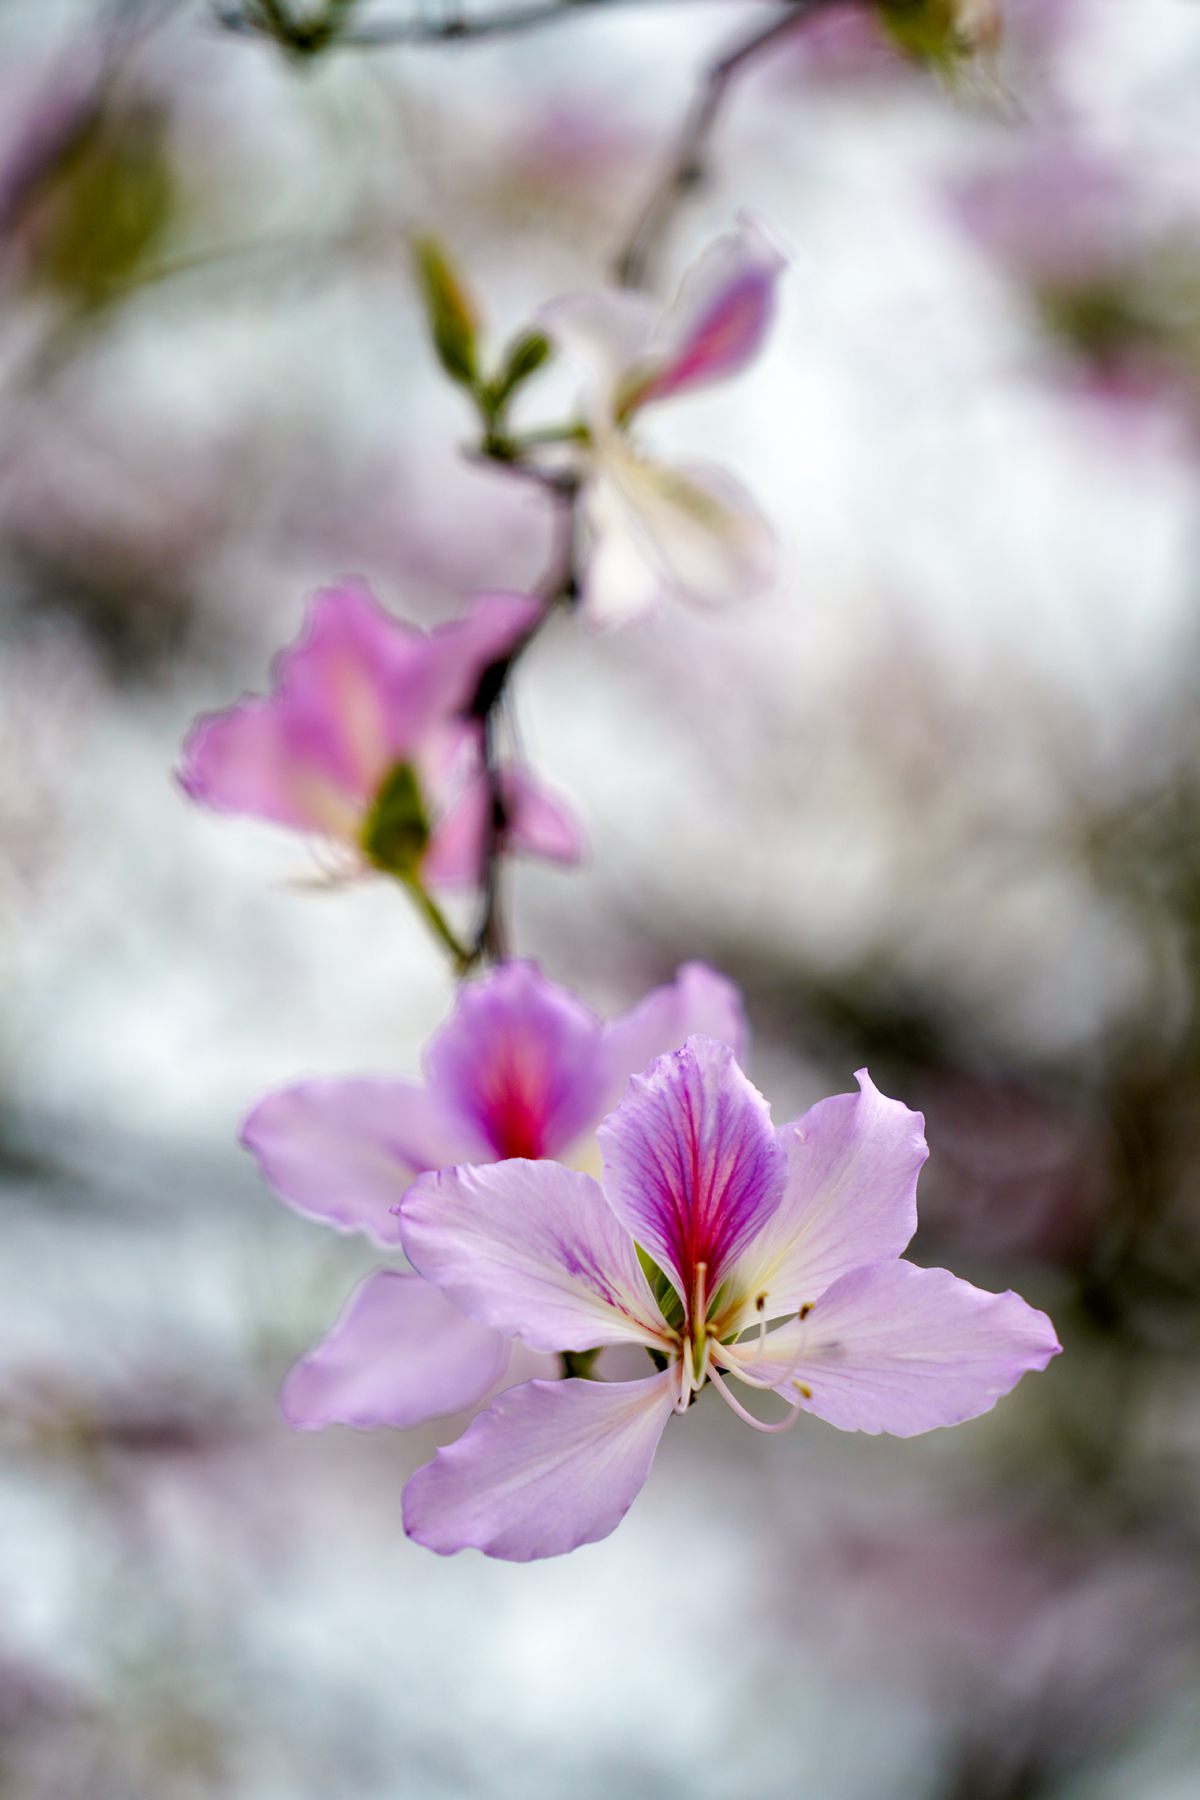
x=396, y=831
x=451, y=312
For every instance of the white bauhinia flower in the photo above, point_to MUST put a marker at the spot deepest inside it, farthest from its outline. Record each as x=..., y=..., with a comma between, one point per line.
x=655, y=527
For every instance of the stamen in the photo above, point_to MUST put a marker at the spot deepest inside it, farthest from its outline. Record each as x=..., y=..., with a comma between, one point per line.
x=685, y=1386
x=740, y=1410
x=760, y=1307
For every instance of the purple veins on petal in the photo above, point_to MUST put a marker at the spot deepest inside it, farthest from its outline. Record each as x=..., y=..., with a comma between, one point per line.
x=400, y=1355
x=692, y=1166
x=549, y=1467
x=521, y=1060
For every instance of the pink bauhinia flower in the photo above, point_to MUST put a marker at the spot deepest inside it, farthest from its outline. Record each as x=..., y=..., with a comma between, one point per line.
x=658, y=528
x=371, y=739
x=729, y=1250
x=521, y=1068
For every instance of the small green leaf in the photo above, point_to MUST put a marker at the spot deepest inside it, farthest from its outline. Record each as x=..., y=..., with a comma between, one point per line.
x=396, y=831
x=451, y=312
x=525, y=355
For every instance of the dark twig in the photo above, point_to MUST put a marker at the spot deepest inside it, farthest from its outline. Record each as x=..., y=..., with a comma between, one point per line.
x=503, y=22
x=689, y=166
x=559, y=588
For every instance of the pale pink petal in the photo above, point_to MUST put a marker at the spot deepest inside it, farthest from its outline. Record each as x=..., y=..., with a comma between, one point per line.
x=534, y=1251
x=718, y=321
x=699, y=1002
x=697, y=527
x=487, y=634
x=892, y=1347
x=521, y=1061
x=400, y=1355
x=552, y=1465
x=605, y=330
x=346, y=1152
x=455, y=853
x=851, y=1196
x=692, y=1166
x=243, y=761
x=539, y=823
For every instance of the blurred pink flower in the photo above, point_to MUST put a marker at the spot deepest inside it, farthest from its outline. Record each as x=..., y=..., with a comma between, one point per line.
x=370, y=739
x=521, y=1068
x=708, y=1225
x=656, y=527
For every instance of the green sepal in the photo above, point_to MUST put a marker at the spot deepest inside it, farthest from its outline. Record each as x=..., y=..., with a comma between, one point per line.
x=667, y=1299
x=396, y=833
x=577, y=1364
x=928, y=31
x=452, y=314
x=525, y=355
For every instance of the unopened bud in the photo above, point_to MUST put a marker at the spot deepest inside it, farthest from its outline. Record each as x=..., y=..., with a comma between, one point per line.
x=451, y=312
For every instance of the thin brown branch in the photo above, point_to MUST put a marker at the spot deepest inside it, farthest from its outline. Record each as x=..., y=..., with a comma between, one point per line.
x=689, y=165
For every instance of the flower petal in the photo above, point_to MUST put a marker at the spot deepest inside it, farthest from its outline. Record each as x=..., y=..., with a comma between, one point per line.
x=552, y=1465
x=698, y=527
x=400, y=1355
x=896, y=1348
x=533, y=1250
x=346, y=1152
x=717, y=323
x=851, y=1196
x=692, y=1166
x=622, y=580
x=538, y=824
x=699, y=1002
x=359, y=692
x=606, y=330
x=521, y=1060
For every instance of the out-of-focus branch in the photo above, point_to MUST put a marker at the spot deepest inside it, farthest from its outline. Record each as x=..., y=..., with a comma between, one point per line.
x=505, y=21
x=689, y=166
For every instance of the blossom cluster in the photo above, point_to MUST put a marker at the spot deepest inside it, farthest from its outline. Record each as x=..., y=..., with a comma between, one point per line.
x=558, y=1180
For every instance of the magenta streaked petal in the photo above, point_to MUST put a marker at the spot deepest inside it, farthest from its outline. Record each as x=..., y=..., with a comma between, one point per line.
x=699, y=1002
x=533, y=1250
x=550, y=1466
x=522, y=1060
x=718, y=321
x=346, y=1152
x=892, y=1347
x=400, y=1355
x=851, y=1196
x=692, y=1166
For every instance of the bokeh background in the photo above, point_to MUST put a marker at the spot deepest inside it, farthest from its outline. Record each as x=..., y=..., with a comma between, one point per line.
x=934, y=802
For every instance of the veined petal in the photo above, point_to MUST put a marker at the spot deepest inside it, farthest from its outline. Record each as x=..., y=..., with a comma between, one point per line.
x=605, y=330
x=892, y=1347
x=550, y=1466
x=851, y=1196
x=534, y=1251
x=346, y=1152
x=400, y=1355
x=718, y=321
x=692, y=1166
x=521, y=1060
x=698, y=526
x=698, y=1003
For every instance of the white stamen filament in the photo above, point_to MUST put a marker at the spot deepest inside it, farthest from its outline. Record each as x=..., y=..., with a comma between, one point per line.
x=740, y=1410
